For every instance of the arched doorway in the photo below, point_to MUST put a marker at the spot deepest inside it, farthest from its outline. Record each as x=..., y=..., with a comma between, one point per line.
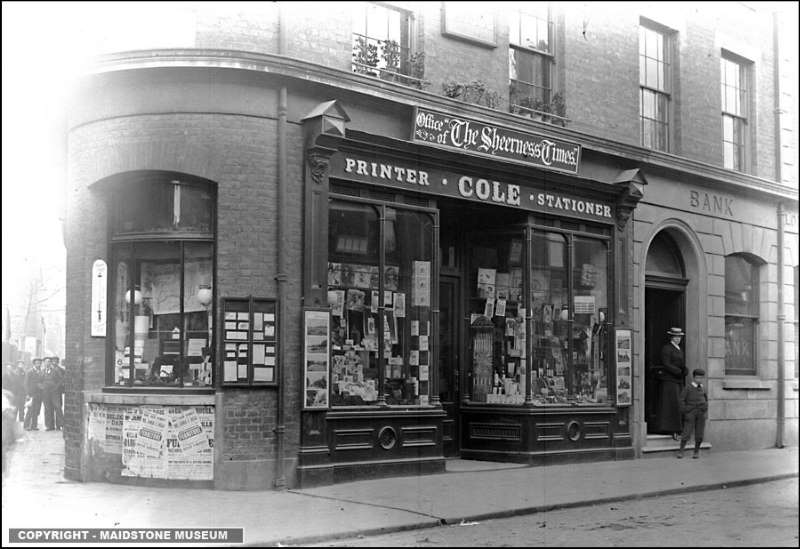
x=665, y=306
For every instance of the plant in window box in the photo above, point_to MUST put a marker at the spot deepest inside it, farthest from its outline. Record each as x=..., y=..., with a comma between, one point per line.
x=452, y=89
x=416, y=64
x=391, y=56
x=559, y=108
x=365, y=56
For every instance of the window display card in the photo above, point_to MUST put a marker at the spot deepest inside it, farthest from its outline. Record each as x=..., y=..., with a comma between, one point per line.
x=242, y=316
x=230, y=354
x=230, y=315
x=269, y=330
x=241, y=370
x=501, y=307
x=421, y=284
x=413, y=357
x=502, y=285
x=264, y=374
x=423, y=343
x=334, y=274
x=488, y=310
x=269, y=317
x=258, y=322
x=373, y=302
x=415, y=327
x=269, y=350
x=230, y=346
x=424, y=372
x=230, y=370
x=387, y=298
x=258, y=336
x=355, y=300
x=258, y=354
x=371, y=325
x=391, y=276
x=243, y=326
x=269, y=360
x=230, y=325
x=400, y=305
x=584, y=305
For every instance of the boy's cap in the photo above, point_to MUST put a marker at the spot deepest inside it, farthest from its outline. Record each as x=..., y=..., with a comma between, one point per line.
x=698, y=372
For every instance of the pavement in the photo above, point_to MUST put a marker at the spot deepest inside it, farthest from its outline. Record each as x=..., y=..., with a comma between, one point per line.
x=35, y=494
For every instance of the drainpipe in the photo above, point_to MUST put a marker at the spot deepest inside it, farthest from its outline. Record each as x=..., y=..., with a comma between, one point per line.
x=781, y=420
x=280, y=276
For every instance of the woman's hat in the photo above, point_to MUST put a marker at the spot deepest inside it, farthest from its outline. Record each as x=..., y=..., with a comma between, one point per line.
x=675, y=332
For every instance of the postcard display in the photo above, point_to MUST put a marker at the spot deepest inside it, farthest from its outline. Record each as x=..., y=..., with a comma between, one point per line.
x=568, y=346
x=497, y=322
x=249, y=341
x=357, y=313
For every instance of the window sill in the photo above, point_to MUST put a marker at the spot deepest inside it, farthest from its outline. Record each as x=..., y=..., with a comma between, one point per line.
x=746, y=385
x=152, y=396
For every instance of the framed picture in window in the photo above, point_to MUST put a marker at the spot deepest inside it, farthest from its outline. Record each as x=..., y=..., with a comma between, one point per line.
x=316, y=358
x=623, y=349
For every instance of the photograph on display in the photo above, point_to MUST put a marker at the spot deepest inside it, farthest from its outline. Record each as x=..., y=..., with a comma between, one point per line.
x=623, y=342
x=316, y=328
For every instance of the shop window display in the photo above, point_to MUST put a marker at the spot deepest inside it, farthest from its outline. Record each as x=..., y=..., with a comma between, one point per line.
x=161, y=313
x=568, y=307
x=379, y=291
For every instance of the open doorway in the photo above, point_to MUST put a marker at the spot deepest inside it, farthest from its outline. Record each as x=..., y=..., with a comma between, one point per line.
x=664, y=308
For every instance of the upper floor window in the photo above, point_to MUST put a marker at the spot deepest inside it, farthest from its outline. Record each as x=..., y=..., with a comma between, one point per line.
x=530, y=58
x=735, y=100
x=654, y=87
x=382, y=44
x=741, y=314
x=162, y=258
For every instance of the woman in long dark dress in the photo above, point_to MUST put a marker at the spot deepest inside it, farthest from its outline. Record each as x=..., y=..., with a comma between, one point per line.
x=670, y=376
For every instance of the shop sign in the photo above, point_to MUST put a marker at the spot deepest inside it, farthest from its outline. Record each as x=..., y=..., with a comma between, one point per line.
x=711, y=203
x=466, y=135
x=470, y=187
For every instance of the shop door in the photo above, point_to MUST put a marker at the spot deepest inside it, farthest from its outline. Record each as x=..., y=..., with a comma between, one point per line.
x=449, y=393
x=664, y=308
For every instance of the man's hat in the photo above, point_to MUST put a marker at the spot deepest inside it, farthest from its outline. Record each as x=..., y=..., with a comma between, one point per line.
x=698, y=372
x=675, y=332
x=37, y=360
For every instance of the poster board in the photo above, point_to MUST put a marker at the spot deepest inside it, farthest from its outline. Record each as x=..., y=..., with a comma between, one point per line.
x=623, y=353
x=316, y=358
x=249, y=342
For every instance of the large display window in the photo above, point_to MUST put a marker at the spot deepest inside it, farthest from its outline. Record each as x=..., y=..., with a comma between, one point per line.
x=560, y=339
x=162, y=271
x=380, y=281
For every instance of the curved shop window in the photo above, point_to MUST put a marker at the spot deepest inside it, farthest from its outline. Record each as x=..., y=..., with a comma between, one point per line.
x=162, y=274
x=566, y=276
x=380, y=281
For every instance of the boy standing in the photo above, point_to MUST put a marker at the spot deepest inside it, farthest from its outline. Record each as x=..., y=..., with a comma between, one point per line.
x=693, y=404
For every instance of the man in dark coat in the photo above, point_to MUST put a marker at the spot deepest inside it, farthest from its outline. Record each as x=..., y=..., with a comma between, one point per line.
x=669, y=377
x=33, y=386
x=52, y=381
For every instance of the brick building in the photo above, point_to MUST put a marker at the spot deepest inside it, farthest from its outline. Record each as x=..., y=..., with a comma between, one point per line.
x=316, y=245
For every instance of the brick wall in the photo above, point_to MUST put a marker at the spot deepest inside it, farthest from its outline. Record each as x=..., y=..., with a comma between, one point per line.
x=239, y=154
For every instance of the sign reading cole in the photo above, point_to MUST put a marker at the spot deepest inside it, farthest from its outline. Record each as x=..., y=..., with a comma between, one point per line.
x=458, y=185
x=463, y=134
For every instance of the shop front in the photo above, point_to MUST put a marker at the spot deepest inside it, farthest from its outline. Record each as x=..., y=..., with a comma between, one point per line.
x=465, y=294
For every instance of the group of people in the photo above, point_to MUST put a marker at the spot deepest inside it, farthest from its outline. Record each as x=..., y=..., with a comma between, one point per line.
x=38, y=384
x=681, y=409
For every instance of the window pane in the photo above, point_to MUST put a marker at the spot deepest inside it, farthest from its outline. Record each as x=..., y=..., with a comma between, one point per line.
x=407, y=338
x=196, y=211
x=354, y=295
x=550, y=327
x=496, y=326
x=120, y=312
x=144, y=205
x=587, y=379
x=740, y=341
x=198, y=320
x=741, y=286
x=158, y=320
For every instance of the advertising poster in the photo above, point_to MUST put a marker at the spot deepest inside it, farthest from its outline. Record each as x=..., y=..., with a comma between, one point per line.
x=316, y=353
x=623, y=350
